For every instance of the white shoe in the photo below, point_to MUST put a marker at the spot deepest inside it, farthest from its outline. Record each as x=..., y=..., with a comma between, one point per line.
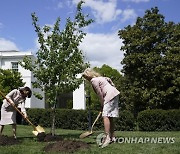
x=106, y=142
x=102, y=141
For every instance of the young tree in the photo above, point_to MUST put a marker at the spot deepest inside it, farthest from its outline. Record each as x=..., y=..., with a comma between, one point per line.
x=9, y=80
x=151, y=63
x=59, y=59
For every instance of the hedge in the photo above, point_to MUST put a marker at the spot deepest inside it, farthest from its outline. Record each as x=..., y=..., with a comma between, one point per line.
x=77, y=119
x=159, y=120
x=148, y=120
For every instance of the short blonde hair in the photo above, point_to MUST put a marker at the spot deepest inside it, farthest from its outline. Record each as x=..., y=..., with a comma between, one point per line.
x=90, y=73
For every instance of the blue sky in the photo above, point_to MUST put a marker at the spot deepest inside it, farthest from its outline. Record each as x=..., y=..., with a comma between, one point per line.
x=101, y=45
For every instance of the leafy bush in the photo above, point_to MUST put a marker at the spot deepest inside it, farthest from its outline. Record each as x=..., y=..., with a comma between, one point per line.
x=77, y=119
x=125, y=121
x=159, y=120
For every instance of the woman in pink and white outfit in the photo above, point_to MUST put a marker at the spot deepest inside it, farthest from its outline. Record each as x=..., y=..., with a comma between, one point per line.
x=109, y=98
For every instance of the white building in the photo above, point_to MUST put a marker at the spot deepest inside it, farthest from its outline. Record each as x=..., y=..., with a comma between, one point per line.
x=10, y=59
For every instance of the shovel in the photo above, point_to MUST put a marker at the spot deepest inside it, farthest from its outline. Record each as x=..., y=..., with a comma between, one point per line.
x=37, y=129
x=88, y=133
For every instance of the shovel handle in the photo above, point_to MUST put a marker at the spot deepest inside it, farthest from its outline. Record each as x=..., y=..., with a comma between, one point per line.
x=95, y=120
x=18, y=110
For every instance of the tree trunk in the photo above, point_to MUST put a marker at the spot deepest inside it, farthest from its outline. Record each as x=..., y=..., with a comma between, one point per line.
x=53, y=121
x=54, y=116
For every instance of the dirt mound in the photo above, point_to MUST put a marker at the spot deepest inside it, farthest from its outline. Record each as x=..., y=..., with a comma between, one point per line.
x=60, y=145
x=42, y=137
x=66, y=146
x=5, y=140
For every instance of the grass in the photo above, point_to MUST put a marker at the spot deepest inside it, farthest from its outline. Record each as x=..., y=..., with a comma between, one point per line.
x=29, y=144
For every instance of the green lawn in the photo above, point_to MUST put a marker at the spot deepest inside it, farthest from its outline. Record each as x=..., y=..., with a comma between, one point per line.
x=30, y=145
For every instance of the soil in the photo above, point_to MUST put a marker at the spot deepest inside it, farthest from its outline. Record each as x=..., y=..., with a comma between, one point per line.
x=56, y=143
x=5, y=140
x=61, y=145
x=42, y=137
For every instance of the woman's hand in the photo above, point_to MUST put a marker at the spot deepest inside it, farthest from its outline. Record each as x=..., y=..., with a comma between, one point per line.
x=25, y=115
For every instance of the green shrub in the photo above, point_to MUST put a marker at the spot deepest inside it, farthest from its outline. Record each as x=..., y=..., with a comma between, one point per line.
x=71, y=119
x=64, y=118
x=125, y=121
x=77, y=119
x=37, y=116
x=159, y=120
x=173, y=120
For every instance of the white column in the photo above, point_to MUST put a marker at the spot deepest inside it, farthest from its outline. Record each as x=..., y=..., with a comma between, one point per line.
x=79, y=100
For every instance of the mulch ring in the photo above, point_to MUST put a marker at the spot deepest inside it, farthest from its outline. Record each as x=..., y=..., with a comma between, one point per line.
x=5, y=140
x=61, y=145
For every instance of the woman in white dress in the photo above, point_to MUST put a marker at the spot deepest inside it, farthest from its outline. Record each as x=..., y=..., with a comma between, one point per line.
x=8, y=113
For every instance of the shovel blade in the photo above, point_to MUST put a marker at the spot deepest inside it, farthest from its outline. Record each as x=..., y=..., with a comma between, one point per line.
x=35, y=132
x=86, y=134
x=38, y=130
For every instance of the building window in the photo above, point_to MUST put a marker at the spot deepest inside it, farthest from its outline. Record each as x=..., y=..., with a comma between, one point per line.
x=14, y=66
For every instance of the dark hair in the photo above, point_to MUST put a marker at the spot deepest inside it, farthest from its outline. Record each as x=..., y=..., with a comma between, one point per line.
x=26, y=89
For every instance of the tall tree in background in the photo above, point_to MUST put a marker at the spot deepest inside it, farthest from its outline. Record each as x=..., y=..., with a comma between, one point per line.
x=9, y=80
x=151, y=63
x=59, y=59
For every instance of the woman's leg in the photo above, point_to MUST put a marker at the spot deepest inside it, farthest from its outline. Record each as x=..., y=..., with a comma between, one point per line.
x=1, y=129
x=107, y=131
x=111, y=127
x=107, y=127
x=14, y=130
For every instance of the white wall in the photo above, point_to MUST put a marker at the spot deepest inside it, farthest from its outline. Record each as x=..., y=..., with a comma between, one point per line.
x=79, y=98
x=13, y=56
x=6, y=59
x=35, y=102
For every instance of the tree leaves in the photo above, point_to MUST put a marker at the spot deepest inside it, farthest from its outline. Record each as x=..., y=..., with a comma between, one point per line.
x=151, y=63
x=59, y=59
x=10, y=80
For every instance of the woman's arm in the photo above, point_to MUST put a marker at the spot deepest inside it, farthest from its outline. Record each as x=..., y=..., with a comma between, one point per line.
x=10, y=95
x=23, y=109
x=110, y=81
x=97, y=89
